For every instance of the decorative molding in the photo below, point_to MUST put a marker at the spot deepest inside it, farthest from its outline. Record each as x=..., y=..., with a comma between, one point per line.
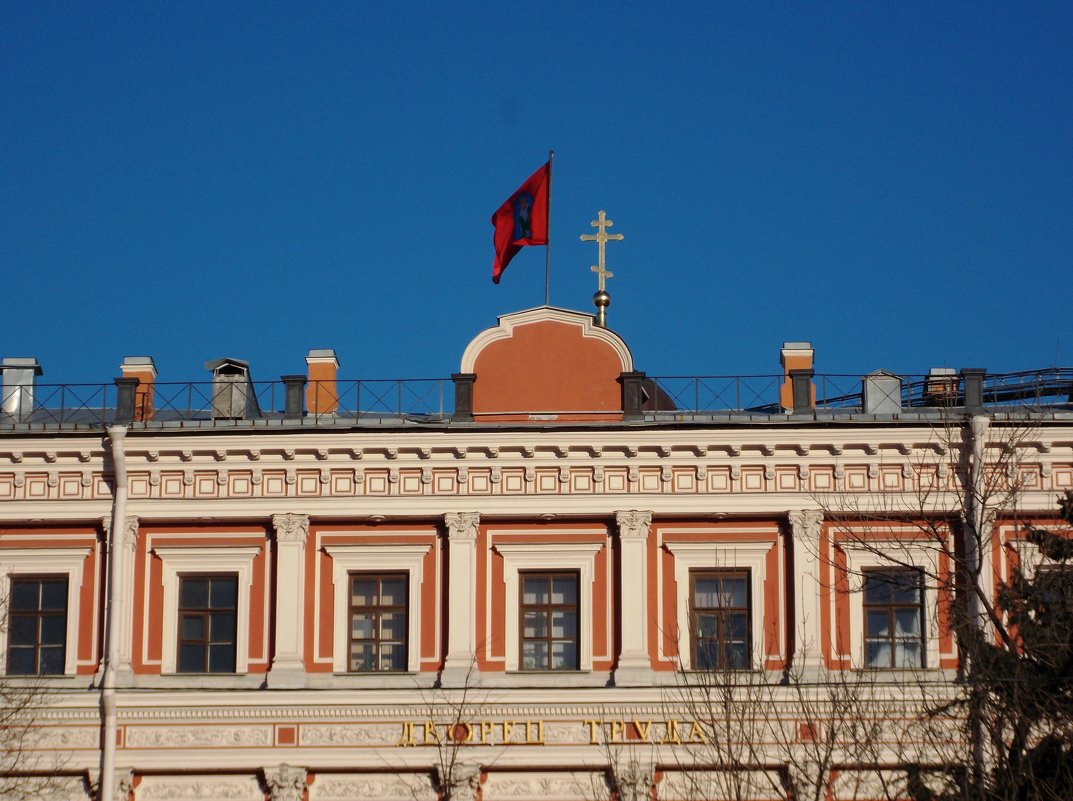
x=806, y=522
x=199, y=788
x=462, y=525
x=381, y=786
x=633, y=524
x=286, y=783
x=291, y=527
x=198, y=736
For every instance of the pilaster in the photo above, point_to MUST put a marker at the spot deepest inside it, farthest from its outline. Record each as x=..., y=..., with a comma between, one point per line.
x=634, y=667
x=461, y=579
x=288, y=668
x=805, y=527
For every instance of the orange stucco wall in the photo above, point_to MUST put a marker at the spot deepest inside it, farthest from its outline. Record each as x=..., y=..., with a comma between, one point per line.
x=547, y=367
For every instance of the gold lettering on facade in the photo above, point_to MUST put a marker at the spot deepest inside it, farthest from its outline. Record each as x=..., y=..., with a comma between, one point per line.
x=594, y=727
x=486, y=729
x=696, y=734
x=534, y=726
x=617, y=727
x=671, y=735
x=508, y=728
x=407, y=734
x=642, y=729
x=432, y=737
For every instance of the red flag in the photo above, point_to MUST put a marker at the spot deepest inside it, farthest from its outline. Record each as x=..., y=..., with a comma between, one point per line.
x=521, y=220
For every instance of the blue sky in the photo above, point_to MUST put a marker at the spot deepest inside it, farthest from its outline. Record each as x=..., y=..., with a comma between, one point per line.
x=893, y=182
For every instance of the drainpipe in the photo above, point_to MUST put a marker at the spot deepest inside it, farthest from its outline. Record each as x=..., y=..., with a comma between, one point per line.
x=979, y=425
x=112, y=623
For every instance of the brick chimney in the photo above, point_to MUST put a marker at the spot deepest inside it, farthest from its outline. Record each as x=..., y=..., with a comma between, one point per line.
x=797, y=356
x=322, y=394
x=143, y=370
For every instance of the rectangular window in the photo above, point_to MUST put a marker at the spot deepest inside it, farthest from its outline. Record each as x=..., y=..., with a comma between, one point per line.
x=37, y=626
x=548, y=612
x=378, y=623
x=719, y=613
x=894, y=618
x=208, y=614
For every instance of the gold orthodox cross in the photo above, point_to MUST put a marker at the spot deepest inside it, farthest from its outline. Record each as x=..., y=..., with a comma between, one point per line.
x=601, y=238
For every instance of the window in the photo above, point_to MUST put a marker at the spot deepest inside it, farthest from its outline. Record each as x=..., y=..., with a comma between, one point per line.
x=37, y=626
x=894, y=619
x=548, y=612
x=378, y=624
x=719, y=614
x=208, y=611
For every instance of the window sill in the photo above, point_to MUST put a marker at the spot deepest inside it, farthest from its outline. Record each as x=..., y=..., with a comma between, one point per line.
x=403, y=680
x=546, y=678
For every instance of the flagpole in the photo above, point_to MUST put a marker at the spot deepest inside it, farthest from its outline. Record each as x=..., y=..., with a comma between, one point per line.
x=547, y=245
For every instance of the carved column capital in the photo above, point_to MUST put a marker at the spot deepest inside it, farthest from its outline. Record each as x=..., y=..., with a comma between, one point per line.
x=106, y=525
x=285, y=782
x=462, y=784
x=633, y=524
x=462, y=525
x=634, y=782
x=806, y=522
x=291, y=528
x=131, y=528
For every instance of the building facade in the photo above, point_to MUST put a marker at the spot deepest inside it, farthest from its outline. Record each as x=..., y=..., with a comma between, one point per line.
x=575, y=582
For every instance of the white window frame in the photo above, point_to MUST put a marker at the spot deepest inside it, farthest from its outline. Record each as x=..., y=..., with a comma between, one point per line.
x=558, y=556
x=192, y=561
x=749, y=555
x=862, y=556
x=45, y=562
x=1029, y=556
x=401, y=558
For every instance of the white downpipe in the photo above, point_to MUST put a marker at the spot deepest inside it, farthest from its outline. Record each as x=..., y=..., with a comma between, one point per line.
x=112, y=622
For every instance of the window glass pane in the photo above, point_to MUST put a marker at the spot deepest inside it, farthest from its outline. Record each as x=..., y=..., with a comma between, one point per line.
x=53, y=629
x=563, y=656
x=564, y=624
x=362, y=626
x=52, y=661
x=392, y=657
x=23, y=630
x=222, y=627
x=393, y=592
x=535, y=624
x=705, y=591
x=54, y=594
x=908, y=655
x=534, y=656
x=706, y=654
x=20, y=661
x=906, y=589
x=224, y=593
x=733, y=593
x=194, y=593
x=191, y=658
x=737, y=626
x=877, y=654
x=907, y=622
x=877, y=588
x=192, y=627
x=392, y=626
x=362, y=656
x=878, y=624
x=534, y=590
x=707, y=626
x=363, y=592
x=564, y=590
x=222, y=658
x=24, y=595
x=737, y=654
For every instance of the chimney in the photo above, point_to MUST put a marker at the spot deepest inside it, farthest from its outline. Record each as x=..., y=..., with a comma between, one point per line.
x=20, y=378
x=797, y=356
x=322, y=395
x=142, y=369
x=941, y=386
